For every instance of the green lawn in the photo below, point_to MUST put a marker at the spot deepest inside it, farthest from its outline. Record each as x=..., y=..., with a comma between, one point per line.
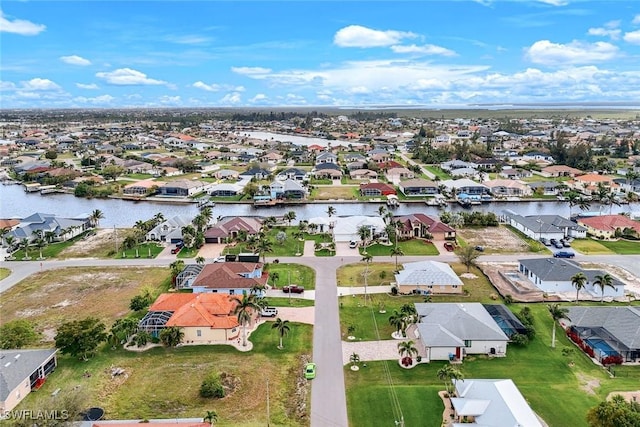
x=286, y=302
x=139, y=175
x=542, y=374
x=590, y=247
x=622, y=247
x=409, y=247
x=144, y=250
x=4, y=273
x=437, y=172
x=380, y=273
x=149, y=389
x=188, y=253
x=295, y=274
x=289, y=247
x=50, y=251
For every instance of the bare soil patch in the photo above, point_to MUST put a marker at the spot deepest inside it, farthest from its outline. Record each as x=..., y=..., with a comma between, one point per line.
x=588, y=384
x=51, y=297
x=336, y=192
x=99, y=245
x=493, y=239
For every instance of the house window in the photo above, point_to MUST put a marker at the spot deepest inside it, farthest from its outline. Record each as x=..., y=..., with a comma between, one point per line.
x=231, y=292
x=199, y=332
x=467, y=343
x=455, y=286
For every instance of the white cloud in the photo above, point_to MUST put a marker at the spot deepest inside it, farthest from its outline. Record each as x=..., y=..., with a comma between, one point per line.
x=636, y=20
x=170, y=100
x=19, y=26
x=100, y=100
x=258, y=98
x=427, y=49
x=359, y=36
x=40, y=84
x=90, y=86
x=188, y=39
x=359, y=90
x=555, y=2
x=128, y=77
x=233, y=98
x=632, y=37
x=549, y=53
x=208, y=88
x=250, y=71
x=613, y=33
x=75, y=60
x=4, y=85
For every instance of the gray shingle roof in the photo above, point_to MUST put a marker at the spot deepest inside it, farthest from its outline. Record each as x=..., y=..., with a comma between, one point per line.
x=623, y=322
x=15, y=370
x=427, y=273
x=442, y=323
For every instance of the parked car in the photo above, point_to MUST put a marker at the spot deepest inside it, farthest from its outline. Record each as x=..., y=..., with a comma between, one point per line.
x=220, y=258
x=294, y=289
x=564, y=254
x=269, y=312
x=353, y=244
x=480, y=248
x=310, y=370
x=545, y=241
x=565, y=243
x=449, y=246
x=179, y=244
x=558, y=245
x=553, y=241
x=176, y=250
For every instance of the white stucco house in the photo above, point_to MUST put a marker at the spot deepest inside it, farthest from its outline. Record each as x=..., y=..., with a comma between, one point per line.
x=346, y=228
x=450, y=331
x=553, y=275
x=169, y=231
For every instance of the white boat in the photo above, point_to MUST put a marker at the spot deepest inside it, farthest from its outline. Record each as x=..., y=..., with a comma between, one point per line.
x=392, y=201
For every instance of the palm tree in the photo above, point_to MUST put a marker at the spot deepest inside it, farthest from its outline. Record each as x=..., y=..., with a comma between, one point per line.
x=274, y=277
x=264, y=246
x=207, y=214
x=176, y=268
x=200, y=260
x=211, y=417
x=354, y=358
x=603, y=281
x=573, y=198
x=256, y=290
x=364, y=232
x=49, y=236
x=290, y=217
x=243, y=311
x=200, y=222
x=9, y=241
x=407, y=348
x=95, y=217
x=40, y=243
x=468, y=256
x=557, y=312
x=367, y=260
x=381, y=211
x=282, y=326
x=24, y=244
x=578, y=281
x=171, y=336
x=397, y=251
x=331, y=211
x=397, y=320
x=448, y=373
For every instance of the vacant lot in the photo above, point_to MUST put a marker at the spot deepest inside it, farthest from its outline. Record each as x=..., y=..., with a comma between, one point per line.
x=52, y=297
x=494, y=239
x=102, y=244
x=334, y=192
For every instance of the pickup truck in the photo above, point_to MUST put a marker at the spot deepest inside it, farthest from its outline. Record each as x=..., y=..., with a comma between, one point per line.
x=294, y=289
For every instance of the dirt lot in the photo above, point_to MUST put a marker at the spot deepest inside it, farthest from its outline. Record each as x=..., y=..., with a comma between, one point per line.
x=493, y=239
x=55, y=296
x=334, y=192
x=98, y=245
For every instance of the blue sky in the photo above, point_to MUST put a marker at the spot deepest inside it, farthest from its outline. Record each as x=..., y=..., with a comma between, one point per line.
x=87, y=54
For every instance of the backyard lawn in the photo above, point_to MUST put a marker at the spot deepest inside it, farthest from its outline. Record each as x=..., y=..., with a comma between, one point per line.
x=51, y=250
x=409, y=247
x=590, y=247
x=144, y=250
x=622, y=247
x=289, y=247
x=542, y=374
x=295, y=274
x=164, y=383
x=380, y=273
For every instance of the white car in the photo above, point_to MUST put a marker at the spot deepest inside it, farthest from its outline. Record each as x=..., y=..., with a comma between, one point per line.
x=221, y=258
x=353, y=244
x=269, y=312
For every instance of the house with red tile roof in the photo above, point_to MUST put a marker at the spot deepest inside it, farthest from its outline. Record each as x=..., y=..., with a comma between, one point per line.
x=590, y=182
x=233, y=278
x=377, y=189
x=230, y=228
x=203, y=318
x=422, y=226
x=605, y=226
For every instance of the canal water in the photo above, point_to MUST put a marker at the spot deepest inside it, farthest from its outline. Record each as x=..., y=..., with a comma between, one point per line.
x=16, y=203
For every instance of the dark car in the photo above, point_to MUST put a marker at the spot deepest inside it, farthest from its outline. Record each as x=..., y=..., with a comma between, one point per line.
x=558, y=245
x=176, y=250
x=294, y=289
x=449, y=246
x=564, y=254
x=480, y=248
x=565, y=243
x=553, y=241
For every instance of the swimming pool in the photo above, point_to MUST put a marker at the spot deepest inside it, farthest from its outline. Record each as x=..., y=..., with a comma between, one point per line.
x=602, y=346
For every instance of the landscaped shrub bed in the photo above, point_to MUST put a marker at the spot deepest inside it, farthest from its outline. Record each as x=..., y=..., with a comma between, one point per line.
x=575, y=337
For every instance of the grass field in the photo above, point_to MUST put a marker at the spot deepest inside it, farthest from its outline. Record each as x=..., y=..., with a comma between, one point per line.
x=164, y=383
x=590, y=247
x=4, y=273
x=622, y=247
x=289, y=247
x=145, y=250
x=409, y=247
x=334, y=192
x=380, y=273
x=51, y=297
x=296, y=274
x=354, y=312
x=543, y=375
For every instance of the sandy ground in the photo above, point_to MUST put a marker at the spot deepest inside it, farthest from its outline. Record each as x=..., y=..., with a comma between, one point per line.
x=628, y=395
x=499, y=239
x=103, y=237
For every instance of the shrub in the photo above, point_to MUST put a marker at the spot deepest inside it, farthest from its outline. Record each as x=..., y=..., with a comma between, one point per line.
x=612, y=360
x=519, y=339
x=212, y=386
x=407, y=361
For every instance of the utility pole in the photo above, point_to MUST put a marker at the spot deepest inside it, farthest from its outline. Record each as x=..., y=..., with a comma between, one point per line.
x=115, y=232
x=268, y=414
